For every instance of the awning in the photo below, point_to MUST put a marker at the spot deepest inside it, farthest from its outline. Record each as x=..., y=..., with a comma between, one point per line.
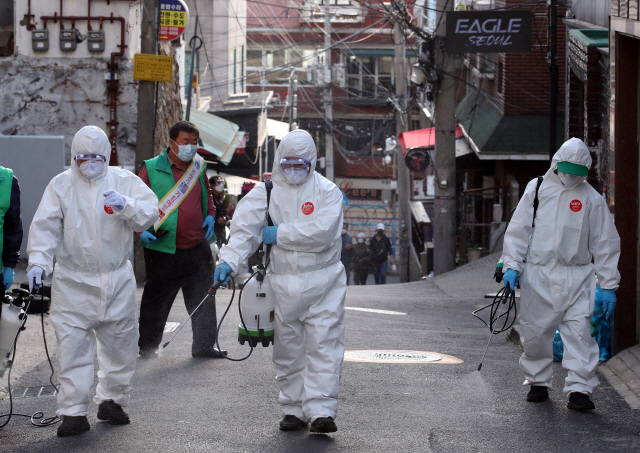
x=422, y=138
x=219, y=136
x=411, y=53
x=277, y=129
x=418, y=211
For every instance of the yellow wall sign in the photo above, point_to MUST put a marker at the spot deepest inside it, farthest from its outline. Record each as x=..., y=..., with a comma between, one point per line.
x=152, y=68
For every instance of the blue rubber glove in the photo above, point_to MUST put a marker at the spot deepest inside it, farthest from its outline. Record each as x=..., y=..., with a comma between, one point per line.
x=114, y=199
x=608, y=301
x=223, y=273
x=270, y=234
x=510, y=279
x=148, y=238
x=208, y=227
x=7, y=277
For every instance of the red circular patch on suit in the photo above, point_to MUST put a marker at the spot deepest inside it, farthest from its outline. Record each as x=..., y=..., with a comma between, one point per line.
x=108, y=209
x=307, y=208
x=575, y=205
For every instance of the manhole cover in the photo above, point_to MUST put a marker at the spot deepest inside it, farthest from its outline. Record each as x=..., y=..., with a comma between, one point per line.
x=392, y=356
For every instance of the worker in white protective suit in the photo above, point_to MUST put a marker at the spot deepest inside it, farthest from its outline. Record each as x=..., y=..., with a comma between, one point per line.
x=557, y=261
x=86, y=219
x=307, y=278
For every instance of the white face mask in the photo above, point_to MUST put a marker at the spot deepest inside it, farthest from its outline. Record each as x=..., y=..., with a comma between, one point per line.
x=344, y=231
x=219, y=187
x=296, y=177
x=186, y=152
x=360, y=240
x=567, y=179
x=91, y=168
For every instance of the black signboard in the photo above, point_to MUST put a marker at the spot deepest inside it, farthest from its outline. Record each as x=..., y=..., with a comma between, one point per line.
x=488, y=31
x=417, y=159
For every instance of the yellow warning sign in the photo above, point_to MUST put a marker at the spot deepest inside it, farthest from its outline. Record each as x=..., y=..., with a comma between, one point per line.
x=152, y=68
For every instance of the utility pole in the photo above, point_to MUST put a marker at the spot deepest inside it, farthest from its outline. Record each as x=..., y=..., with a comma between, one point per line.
x=552, y=57
x=404, y=177
x=328, y=94
x=146, y=90
x=444, y=241
x=145, y=130
x=293, y=100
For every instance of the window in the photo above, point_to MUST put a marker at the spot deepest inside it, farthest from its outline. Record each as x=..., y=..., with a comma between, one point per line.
x=232, y=77
x=369, y=76
x=273, y=66
x=241, y=72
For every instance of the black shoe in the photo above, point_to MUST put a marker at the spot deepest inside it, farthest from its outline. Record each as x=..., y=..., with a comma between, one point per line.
x=213, y=353
x=148, y=353
x=580, y=402
x=323, y=425
x=108, y=410
x=538, y=394
x=72, y=426
x=291, y=423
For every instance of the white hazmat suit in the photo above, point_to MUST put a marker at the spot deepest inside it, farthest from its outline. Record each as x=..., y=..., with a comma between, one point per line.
x=93, y=287
x=558, y=278
x=306, y=276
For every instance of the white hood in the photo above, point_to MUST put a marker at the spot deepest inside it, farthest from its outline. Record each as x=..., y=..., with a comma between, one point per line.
x=297, y=143
x=573, y=150
x=91, y=140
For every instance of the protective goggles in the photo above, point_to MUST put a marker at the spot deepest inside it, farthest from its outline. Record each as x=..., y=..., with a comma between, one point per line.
x=288, y=165
x=95, y=157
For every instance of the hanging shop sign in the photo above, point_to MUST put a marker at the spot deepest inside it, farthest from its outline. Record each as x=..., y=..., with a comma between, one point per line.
x=173, y=19
x=488, y=32
x=152, y=68
x=417, y=159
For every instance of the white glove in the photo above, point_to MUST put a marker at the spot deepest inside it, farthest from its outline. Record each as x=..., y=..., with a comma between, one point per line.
x=35, y=272
x=114, y=199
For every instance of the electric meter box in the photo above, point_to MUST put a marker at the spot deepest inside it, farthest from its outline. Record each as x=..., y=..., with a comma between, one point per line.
x=68, y=39
x=96, y=41
x=40, y=39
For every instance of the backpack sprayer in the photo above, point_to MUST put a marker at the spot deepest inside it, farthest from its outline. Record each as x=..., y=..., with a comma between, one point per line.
x=258, y=307
x=506, y=294
x=13, y=317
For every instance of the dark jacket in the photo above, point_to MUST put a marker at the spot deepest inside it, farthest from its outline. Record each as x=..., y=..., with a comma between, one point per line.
x=380, y=249
x=12, y=229
x=362, y=256
x=346, y=255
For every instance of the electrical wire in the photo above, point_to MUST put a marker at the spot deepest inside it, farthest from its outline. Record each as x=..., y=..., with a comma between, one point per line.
x=38, y=415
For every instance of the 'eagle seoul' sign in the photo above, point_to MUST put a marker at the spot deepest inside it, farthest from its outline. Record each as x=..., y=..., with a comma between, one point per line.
x=488, y=31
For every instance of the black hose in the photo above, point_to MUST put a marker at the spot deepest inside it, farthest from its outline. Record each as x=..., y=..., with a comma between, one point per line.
x=507, y=317
x=241, y=319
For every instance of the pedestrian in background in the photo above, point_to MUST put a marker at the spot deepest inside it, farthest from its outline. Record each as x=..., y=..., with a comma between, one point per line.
x=177, y=254
x=361, y=260
x=86, y=220
x=557, y=251
x=10, y=226
x=380, y=247
x=346, y=255
x=218, y=192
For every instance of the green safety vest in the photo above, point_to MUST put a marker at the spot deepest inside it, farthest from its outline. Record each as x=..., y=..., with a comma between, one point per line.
x=162, y=181
x=6, y=182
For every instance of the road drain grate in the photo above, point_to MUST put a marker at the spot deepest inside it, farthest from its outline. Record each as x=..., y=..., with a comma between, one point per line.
x=33, y=392
x=391, y=356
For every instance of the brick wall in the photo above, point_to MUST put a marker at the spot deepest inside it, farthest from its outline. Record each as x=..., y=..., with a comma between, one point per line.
x=521, y=80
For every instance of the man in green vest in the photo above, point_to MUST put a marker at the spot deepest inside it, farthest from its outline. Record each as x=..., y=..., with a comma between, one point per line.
x=176, y=249
x=10, y=226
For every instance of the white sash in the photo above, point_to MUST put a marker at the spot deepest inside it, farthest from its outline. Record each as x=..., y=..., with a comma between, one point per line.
x=179, y=192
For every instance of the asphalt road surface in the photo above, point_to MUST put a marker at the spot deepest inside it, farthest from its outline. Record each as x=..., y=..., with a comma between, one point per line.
x=208, y=405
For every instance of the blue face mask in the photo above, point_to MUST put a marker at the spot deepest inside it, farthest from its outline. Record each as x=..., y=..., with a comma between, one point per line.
x=186, y=152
